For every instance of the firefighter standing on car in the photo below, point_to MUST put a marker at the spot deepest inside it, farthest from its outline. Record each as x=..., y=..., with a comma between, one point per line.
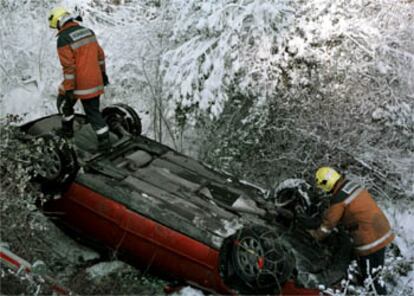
x=83, y=63
x=354, y=208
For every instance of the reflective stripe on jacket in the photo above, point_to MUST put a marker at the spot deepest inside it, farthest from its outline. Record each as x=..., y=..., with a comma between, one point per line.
x=82, y=59
x=355, y=208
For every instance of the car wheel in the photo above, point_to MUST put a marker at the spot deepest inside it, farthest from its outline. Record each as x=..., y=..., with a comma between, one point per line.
x=58, y=165
x=122, y=120
x=257, y=261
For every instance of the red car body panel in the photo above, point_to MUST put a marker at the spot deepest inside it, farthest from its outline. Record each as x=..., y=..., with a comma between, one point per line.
x=150, y=245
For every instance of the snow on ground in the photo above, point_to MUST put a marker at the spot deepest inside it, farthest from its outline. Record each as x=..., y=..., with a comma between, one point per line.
x=27, y=101
x=189, y=291
x=101, y=269
x=401, y=216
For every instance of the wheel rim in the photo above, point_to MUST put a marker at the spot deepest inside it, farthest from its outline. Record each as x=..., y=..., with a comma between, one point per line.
x=122, y=116
x=131, y=120
x=248, y=257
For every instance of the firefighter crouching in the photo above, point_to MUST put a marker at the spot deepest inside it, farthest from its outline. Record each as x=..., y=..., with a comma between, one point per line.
x=83, y=63
x=354, y=208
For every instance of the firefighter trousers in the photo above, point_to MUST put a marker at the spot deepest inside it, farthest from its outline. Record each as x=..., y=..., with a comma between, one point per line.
x=91, y=108
x=370, y=265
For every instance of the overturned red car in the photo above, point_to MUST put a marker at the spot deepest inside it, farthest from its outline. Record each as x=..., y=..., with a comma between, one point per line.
x=178, y=218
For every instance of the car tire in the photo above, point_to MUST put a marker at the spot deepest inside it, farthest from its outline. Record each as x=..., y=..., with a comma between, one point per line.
x=255, y=261
x=122, y=120
x=58, y=166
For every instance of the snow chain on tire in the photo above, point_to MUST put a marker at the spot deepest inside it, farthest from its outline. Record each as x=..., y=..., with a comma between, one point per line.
x=257, y=261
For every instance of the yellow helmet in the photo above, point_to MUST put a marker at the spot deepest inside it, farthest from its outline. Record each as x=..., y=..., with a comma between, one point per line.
x=56, y=17
x=326, y=178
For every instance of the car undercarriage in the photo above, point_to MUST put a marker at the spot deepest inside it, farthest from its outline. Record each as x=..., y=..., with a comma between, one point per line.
x=177, y=217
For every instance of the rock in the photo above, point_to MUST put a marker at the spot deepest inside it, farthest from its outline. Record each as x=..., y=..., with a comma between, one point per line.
x=102, y=269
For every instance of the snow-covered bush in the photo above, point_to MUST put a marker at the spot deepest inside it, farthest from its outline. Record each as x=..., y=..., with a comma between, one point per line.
x=21, y=224
x=224, y=44
x=19, y=159
x=295, y=84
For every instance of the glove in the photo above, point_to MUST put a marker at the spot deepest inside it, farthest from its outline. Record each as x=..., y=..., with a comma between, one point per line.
x=317, y=234
x=105, y=79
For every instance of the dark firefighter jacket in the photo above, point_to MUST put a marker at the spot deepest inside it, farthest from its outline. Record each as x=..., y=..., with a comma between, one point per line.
x=354, y=207
x=82, y=59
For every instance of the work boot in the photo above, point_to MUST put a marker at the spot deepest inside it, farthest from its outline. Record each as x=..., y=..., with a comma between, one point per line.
x=67, y=129
x=104, y=144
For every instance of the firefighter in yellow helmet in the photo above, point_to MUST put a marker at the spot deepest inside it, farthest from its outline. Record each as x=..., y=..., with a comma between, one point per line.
x=354, y=208
x=83, y=64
